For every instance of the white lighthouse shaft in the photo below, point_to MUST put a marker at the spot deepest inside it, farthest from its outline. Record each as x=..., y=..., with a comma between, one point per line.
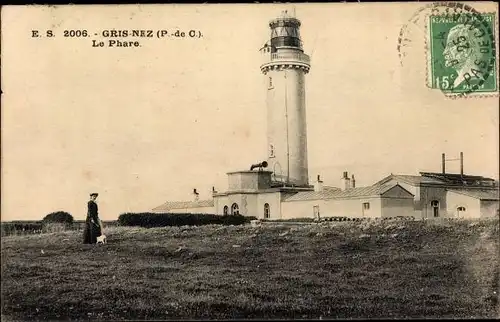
x=284, y=67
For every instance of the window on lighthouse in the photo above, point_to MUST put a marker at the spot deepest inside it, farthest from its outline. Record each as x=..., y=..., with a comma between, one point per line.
x=271, y=151
x=270, y=82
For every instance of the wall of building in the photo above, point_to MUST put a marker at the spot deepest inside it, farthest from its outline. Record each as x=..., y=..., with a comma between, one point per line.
x=471, y=205
x=397, y=202
x=216, y=206
x=197, y=210
x=352, y=208
x=254, y=204
x=247, y=203
x=489, y=208
x=427, y=195
x=274, y=202
x=249, y=180
x=220, y=202
x=417, y=202
x=448, y=202
x=415, y=190
x=301, y=209
x=355, y=207
x=395, y=207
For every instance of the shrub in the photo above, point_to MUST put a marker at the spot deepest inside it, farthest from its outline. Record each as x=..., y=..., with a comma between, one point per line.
x=60, y=217
x=20, y=227
x=149, y=220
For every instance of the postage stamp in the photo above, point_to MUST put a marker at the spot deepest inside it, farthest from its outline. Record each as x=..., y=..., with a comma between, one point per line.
x=460, y=47
x=462, y=53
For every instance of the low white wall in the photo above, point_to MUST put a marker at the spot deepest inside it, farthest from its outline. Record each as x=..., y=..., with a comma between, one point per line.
x=352, y=208
x=489, y=208
x=455, y=200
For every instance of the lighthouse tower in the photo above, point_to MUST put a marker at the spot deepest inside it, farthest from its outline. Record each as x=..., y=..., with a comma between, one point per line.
x=284, y=67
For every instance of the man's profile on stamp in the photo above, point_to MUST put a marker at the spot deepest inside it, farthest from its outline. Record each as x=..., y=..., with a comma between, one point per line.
x=463, y=53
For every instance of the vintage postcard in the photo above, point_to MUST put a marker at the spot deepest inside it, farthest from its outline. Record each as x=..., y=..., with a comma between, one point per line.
x=250, y=161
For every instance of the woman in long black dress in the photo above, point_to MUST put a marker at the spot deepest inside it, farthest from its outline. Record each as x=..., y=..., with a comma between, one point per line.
x=92, y=223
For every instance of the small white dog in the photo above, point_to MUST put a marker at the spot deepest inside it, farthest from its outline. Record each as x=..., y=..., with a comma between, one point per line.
x=101, y=239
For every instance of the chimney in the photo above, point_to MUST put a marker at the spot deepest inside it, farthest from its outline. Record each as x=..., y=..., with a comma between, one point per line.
x=353, y=182
x=461, y=163
x=196, y=195
x=345, y=182
x=318, y=185
x=213, y=190
x=443, y=163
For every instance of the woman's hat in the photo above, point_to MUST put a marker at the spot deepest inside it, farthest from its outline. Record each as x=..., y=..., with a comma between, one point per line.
x=94, y=194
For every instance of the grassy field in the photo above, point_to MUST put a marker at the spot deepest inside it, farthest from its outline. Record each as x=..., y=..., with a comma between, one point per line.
x=331, y=270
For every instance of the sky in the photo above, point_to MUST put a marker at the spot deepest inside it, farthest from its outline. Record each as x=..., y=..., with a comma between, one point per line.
x=144, y=125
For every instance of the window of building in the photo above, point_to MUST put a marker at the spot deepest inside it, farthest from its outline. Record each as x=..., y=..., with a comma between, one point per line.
x=435, y=208
x=270, y=82
x=460, y=210
x=366, y=206
x=267, y=211
x=226, y=210
x=235, y=209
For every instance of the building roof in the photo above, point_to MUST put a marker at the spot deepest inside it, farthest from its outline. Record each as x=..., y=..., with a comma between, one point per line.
x=452, y=179
x=491, y=194
x=410, y=179
x=310, y=195
x=169, y=205
x=337, y=193
x=458, y=178
x=265, y=190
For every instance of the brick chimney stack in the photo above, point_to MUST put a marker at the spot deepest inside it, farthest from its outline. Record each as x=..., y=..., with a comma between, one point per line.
x=318, y=184
x=345, y=181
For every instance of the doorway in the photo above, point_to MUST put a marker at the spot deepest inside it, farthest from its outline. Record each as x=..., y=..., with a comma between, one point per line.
x=365, y=209
x=316, y=212
x=267, y=211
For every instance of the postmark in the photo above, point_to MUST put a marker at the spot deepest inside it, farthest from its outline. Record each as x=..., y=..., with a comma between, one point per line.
x=460, y=47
